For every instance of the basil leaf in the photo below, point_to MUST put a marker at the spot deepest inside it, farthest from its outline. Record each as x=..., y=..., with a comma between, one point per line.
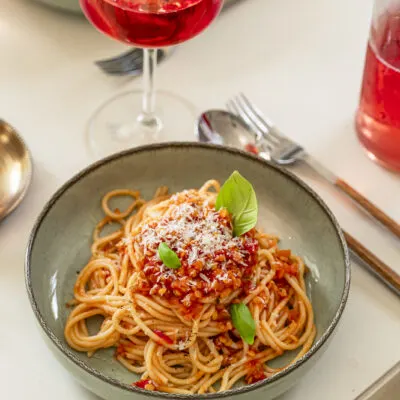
x=243, y=321
x=239, y=198
x=168, y=256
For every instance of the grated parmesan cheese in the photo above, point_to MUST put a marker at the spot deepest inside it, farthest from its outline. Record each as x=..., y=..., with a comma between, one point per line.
x=205, y=279
x=196, y=230
x=213, y=262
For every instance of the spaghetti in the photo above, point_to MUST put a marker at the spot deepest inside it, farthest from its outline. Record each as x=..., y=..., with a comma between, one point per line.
x=174, y=326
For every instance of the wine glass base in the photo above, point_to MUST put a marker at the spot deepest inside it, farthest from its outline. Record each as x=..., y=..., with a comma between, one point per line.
x=118, y=125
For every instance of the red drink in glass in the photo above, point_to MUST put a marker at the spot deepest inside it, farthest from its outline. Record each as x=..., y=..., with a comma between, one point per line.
x=133, y=118
x=151, y=23
x=378, y=116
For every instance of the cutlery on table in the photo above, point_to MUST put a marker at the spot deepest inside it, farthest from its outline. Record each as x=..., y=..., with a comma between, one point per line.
x=15, y=169
x=223, y=127
x=285, y=151
x=131, y=62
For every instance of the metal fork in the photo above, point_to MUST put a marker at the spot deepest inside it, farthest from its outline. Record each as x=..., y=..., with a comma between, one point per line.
x=285, y=151
x=130, y=62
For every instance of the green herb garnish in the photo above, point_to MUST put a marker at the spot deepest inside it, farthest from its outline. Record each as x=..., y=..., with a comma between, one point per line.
x=243, y=322
x=239, y=198
x=168, y=256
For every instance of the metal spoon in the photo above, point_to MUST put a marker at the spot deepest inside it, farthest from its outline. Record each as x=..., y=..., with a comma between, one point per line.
x=225, y=128
x=15, y=169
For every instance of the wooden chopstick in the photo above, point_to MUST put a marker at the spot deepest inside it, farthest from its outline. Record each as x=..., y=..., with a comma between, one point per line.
x=386, y=274
x=371, y=208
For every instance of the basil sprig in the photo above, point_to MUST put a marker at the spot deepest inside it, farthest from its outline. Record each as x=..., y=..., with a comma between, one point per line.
x=239, y=198
x=168, y=256
x=243, y=322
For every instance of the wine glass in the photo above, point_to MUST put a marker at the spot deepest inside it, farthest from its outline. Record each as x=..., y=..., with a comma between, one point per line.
x=135, y=118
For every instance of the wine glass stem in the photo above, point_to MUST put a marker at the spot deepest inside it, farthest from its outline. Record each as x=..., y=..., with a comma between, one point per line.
x=148, y=117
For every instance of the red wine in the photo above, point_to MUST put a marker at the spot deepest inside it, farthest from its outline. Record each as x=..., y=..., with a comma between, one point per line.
x=151, y=23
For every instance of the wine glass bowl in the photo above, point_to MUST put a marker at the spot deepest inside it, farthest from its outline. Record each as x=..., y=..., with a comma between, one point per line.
x=151, y=23
x=133, y=119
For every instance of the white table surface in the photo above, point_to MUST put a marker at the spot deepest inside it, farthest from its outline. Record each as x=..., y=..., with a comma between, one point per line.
x=300, y=61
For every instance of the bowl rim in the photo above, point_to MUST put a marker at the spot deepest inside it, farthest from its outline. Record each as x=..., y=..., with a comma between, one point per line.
x=184, y=145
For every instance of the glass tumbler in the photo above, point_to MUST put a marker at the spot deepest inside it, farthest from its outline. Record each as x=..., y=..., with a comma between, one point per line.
x=378, y=115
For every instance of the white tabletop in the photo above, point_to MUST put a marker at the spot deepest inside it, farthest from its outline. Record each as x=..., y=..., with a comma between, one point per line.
x=300, y=61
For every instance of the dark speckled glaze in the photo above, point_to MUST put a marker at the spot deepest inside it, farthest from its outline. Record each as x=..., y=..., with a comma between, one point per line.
x=59, y=246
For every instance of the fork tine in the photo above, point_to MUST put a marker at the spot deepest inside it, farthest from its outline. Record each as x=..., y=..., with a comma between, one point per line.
x=121, y=69
x=136, y=70
x=248, y=109
x=118, y=59
x=266, y=146
x=247, y=117
x=233, y=108
x=129, y=56
x=125, y=66
x=134, y=65
x=237, y=109
x=161, y=55
x=261, y=120
x=130, y=62
x=255, y=111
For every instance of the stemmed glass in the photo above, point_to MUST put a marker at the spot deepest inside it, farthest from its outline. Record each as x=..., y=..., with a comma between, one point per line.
x=135, y=118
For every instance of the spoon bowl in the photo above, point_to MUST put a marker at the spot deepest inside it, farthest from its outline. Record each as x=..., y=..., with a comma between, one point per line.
x=15, y=169
x=224, y=128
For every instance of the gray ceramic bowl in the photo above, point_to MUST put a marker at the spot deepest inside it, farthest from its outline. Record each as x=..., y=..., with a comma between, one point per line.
x=59, y=246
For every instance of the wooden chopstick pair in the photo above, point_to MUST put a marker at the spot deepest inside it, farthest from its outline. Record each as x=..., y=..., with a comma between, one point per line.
x=369, y=207
x=381, y=270
x=387, y=275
